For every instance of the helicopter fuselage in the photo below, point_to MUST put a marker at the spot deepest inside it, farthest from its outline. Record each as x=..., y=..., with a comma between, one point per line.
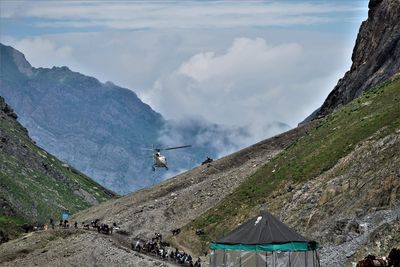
x=159, y=161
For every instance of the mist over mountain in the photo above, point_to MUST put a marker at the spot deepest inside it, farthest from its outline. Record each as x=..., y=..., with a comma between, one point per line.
x=103, y=129
x=206, y=140
x=215, y=140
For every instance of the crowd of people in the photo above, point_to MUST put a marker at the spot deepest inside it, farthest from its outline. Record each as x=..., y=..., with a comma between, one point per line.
x=101, y=227
x=157, y=247
x=94, y=224
x=154, y=247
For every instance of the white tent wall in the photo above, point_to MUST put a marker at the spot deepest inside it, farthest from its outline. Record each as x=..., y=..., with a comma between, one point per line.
x=236, y=258
x=233, y=258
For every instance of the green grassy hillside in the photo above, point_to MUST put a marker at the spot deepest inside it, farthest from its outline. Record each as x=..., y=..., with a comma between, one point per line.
x=375, y=113
x=34, y=185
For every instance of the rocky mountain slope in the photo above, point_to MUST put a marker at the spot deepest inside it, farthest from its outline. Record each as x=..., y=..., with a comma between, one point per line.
x=97, y=128
x=175, y=202
x=160, y=208
x=376, y=55
x=335, y=180
x=101, y=129
x=339, y=184
x=34, y=185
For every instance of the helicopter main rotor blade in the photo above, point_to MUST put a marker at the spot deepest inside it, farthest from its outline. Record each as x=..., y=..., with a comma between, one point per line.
x=177, y=147
x=148, y=149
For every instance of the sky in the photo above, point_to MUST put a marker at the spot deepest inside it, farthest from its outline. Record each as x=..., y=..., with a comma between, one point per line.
x=234, y=63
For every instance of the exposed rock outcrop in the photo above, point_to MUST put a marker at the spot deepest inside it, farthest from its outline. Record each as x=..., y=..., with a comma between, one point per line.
x=376, y=55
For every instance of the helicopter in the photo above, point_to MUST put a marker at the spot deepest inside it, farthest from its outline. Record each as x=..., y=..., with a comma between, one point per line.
x=160, y=161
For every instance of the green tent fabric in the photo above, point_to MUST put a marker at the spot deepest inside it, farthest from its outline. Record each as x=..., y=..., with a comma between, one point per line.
x=265, y=233
x=264, y=241
x=290, y=246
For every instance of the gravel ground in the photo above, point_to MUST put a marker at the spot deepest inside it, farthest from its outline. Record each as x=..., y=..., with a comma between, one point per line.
x=334, y=255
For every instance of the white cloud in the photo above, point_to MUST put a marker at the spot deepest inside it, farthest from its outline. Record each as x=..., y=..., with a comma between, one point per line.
x=266, y=75
x=137, y=15
x=248, y=85
x=209, y=74
x=245, y=56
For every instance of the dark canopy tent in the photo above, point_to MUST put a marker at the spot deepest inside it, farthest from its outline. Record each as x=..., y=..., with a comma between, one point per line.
x=264, y=241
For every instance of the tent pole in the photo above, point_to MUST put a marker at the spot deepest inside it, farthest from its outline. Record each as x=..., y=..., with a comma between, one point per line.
x=305, y=259
x=256, y=258
x=313, y=261
x=273, y=259
x=225, y=258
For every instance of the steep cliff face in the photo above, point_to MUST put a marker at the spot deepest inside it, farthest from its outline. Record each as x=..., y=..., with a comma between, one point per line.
x=376, y=55
x=34, y=185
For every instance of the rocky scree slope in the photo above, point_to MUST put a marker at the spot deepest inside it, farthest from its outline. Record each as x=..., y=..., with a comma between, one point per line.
x=342, y=171
x=335, y=180
x=376, y=55
x=34, y=185
x=160, y=208
x=176, y=201
x=338, y=185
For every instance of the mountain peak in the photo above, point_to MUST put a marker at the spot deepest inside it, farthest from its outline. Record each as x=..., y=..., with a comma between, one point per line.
x=17, y=58
x=376, y=55
x=62, y=68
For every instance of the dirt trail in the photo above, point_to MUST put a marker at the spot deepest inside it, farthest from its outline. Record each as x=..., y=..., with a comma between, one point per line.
x=71, y=247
